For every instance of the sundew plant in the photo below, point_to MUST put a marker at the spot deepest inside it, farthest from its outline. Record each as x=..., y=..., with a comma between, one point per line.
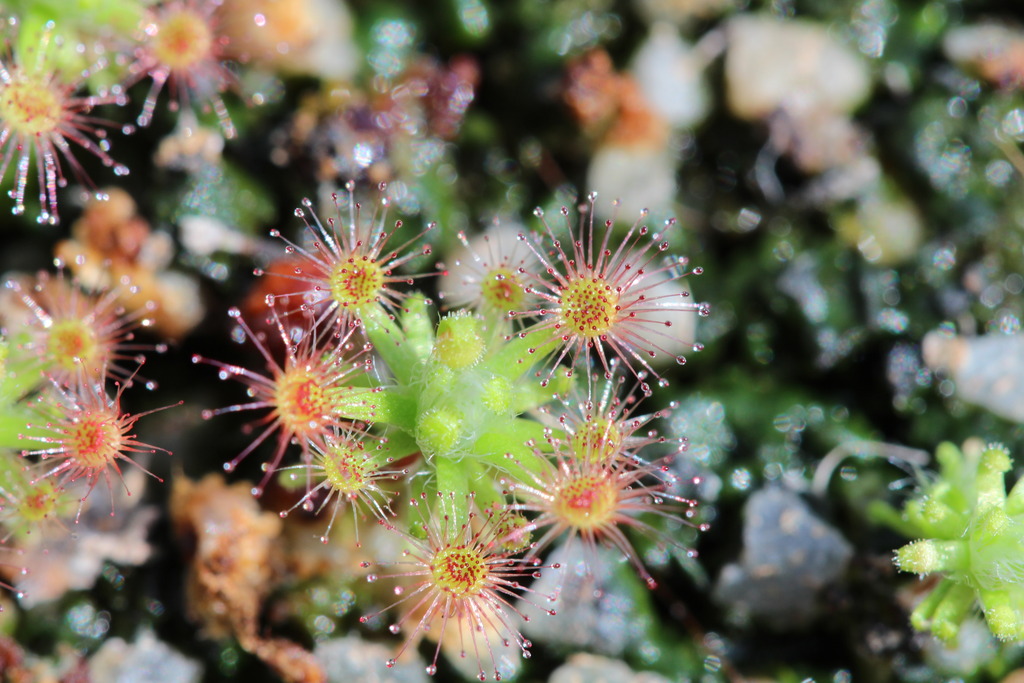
x=585, y=339
x=488, y=484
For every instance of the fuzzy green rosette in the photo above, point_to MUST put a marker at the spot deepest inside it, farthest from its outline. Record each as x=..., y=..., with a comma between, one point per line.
x=972, y=532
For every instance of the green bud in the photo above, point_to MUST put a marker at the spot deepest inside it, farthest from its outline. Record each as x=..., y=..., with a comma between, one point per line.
x=497, y=395
x=459, y=342
x=923, y=557
x=439, y=430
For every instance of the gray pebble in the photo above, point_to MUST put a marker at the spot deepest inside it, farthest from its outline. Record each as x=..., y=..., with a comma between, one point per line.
x=789, y=554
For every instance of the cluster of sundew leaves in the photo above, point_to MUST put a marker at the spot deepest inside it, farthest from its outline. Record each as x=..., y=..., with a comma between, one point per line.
x=48, y=94
x=493, y=439
x=69, y=356
x=969, y=533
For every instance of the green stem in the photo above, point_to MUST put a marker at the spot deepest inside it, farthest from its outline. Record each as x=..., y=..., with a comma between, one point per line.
x=376, y=406
x=453, y=485
x=515, y=358
x=389, y=341
x=951, y=461
x=399, y=445
x=483, y=483
x=507, y=451
x=19, y=374
x=419, y=327
x=14, y=425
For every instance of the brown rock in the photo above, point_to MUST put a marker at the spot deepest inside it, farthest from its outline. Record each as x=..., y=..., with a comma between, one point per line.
x=234, y=566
